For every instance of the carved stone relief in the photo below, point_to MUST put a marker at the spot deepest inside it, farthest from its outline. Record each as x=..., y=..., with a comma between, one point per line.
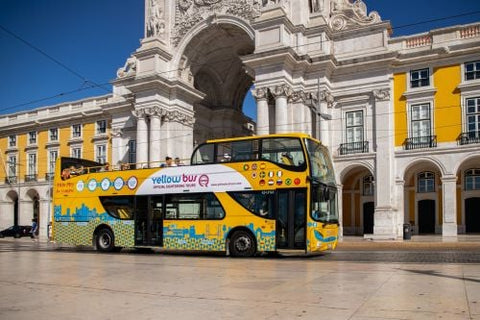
x=190, y=12
x=155, y=21
x=129, y=69
x=345, y=14
x=381, y=94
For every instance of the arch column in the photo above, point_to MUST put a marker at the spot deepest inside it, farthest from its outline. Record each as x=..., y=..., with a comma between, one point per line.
x=44, y=216
x=154, y=146
x=298, y=121
x=385, y=219
x=6, y=214
x=340, y=209
x=117, y=145
x=400, y=209
x=263, y=122
x=142, y=138
x=449, y=206
x=281, y=94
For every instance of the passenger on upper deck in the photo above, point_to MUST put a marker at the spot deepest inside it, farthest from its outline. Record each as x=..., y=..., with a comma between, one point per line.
x=177, y=162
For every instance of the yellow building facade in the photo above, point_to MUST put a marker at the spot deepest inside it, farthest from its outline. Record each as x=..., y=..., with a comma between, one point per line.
x=30, y=143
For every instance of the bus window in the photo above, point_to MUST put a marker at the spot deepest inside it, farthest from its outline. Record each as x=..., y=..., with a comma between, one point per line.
x=257, y=202
x=204, y=206
x=204, y=154
x=286, y=152
x=237, y=151
x=120, y=207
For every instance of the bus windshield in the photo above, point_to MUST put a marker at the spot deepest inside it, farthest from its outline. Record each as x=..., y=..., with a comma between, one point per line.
x=324, y=203
x=320, y=164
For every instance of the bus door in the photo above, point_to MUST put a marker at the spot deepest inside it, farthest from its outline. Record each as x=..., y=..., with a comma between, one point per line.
x=291, y=218
x=148, y=220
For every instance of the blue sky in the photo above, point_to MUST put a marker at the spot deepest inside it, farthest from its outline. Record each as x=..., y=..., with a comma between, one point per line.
x=95, y=37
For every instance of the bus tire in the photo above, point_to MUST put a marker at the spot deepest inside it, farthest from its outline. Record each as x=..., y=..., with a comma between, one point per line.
x=105, y=241
x=242, y=244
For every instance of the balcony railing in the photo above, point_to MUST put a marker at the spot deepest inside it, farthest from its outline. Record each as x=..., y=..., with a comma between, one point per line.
x=420, y=142
x=30, y=177
x=353, y=147
x=11, y=179
x=49, y=176
x=468, y=137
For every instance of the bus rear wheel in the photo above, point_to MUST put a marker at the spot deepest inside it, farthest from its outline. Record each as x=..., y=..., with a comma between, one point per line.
x=105, y=241
x=242, y=244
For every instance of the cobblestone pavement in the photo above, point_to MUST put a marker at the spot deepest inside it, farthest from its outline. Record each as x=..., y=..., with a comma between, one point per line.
x=427, y=250
x=361, y=280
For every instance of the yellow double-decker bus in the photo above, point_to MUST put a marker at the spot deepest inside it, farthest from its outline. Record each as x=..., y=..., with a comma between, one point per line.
x=239, y=195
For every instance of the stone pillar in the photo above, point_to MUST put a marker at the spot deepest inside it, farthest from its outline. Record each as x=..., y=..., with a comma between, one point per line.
x=326, y=101
x=6, y=216
x=155, y=114
x=449, y=205
x=297, y=102
x=399, y=203
x=117, y=146
x=142, y=138
x=263, y=122
x=281, y=94
x=45, y=206
x=340, y=209
x=385, y=219
x=307, y=119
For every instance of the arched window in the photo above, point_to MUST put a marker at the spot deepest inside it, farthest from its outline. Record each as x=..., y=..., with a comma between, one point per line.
x=368, y=185
x=426, y=182
x=472, y=179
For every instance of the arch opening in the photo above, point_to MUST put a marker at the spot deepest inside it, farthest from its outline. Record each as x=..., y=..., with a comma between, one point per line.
x=213, y=62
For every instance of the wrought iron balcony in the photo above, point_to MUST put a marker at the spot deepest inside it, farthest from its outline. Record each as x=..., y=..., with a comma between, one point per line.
x=30, y=177
x=353, y=147
x=420, y=142
x=11, y=179
x=468, y=137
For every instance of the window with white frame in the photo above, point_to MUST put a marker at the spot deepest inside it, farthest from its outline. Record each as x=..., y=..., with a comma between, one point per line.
x=472, y=179
x=76, y=131
x=53, y=134
x=76, y=152
x=52, y=158
x=426, y=182
x=420, y=78
x=12, y=140
x=368, y=185
x=32, y=164
x=101, y=153
x=421, y=122
x=32, y=137
x=473, y=116
x=101, y=127
x=354, y=126
x=472, y=70
x=12, y=166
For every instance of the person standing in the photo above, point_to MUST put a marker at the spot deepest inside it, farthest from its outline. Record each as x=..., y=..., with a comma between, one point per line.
x=34, y=229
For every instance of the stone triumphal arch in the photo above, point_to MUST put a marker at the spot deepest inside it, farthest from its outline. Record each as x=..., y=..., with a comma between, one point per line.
x=198, y=59
x=306, y=62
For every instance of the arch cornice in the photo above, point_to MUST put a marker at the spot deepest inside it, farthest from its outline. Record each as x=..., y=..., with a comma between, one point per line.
x=465, y=159
x=205, y=24
x=349, y=167
x=417, y=161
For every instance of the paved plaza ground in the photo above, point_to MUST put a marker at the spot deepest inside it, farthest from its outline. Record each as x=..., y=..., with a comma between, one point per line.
x=420, y=279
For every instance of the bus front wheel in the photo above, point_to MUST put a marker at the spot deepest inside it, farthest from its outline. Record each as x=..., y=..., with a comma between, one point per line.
x=242, y=244
x=105, y=242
